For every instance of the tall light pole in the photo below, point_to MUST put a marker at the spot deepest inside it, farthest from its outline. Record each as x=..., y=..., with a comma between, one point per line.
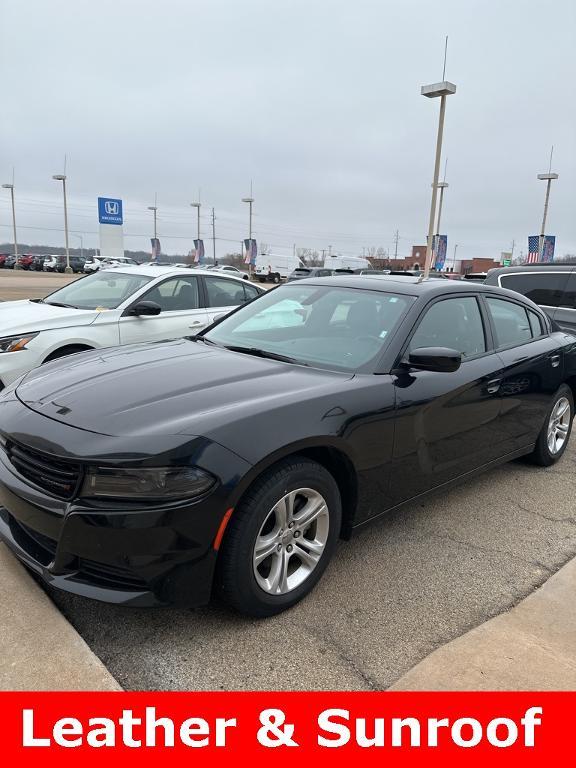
x=154, y=208
x=62, y=177
x=454, y=257
x=250, y=201
x=434, y=91
x=11, y=188
x=81, y=245
x=548, y=178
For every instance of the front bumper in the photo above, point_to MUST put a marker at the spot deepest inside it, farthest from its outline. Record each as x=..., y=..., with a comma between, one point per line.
x=124, y=552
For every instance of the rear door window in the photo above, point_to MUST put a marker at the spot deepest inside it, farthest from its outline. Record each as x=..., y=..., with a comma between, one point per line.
x=511, y=322
x=223, y=292
x=544, y=288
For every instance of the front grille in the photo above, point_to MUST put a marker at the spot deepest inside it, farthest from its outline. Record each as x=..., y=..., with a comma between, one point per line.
x=110, y=575
x=40, y=547
x=56, y=476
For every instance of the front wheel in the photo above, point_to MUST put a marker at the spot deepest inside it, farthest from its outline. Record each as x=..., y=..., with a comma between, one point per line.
x=553, y=438
x=280, y=538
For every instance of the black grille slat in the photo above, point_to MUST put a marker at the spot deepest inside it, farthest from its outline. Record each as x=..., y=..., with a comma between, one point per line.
x=112, y=574
x=58, y=477
x=20, y=455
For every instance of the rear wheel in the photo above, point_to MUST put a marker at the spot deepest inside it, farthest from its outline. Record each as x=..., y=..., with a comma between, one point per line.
x=555, y=433
x=280, y=538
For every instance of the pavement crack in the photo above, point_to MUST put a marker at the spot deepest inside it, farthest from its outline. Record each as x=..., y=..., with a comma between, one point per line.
x=344, y=656
x=493, y=551
x=529, y=511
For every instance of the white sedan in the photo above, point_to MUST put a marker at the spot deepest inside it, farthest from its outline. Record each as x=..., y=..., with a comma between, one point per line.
x=121, y=306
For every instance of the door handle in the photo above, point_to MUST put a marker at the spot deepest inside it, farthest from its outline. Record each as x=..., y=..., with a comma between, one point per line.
x=493, y=386
x=193, y=325
x=555, y=360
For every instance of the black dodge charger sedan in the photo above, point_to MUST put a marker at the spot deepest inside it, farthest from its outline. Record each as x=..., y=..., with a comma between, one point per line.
x=232, y=461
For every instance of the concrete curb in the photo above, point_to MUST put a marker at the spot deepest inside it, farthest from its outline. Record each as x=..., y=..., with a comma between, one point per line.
x=531, y=647
x=39, y=649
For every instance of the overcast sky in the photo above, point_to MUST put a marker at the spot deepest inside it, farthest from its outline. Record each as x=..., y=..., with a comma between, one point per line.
x=317, y=101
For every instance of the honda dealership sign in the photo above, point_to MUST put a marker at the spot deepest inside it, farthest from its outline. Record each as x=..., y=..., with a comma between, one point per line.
x=109, y=210
x=111, y=219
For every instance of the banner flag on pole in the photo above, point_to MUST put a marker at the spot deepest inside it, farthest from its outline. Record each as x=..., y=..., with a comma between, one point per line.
x=199, y=252
x=250, y=251
x=439, y=247
x=156, y=247
x=548, y=249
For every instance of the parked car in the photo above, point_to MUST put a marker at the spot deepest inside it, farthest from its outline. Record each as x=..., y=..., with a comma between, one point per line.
x=50, y=263
x=3, y=257
x=76, y=263
x=231, y=461
x=26, y=260
x=300, y=273
x=111, y=307
x=38, y=263
x=231, y=270
x=551, y=286
x=274, y=268
x=119, y=261
x=9, y=261
x=92, y=264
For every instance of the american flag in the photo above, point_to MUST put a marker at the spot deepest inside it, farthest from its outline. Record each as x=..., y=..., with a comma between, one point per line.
x=533, y=249
x=156, y=249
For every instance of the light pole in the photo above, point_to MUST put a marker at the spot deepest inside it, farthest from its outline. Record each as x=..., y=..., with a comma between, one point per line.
x=81, y=245
x=250, y=201
x=155, y=209
x=62, y=177
x=11, y=188
x=434, y=91
x=548, y=178
x=454, y=257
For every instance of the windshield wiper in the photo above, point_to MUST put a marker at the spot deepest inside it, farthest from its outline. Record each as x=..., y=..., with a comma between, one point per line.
x=203, y=339
x=264, y=353
x=59, y=304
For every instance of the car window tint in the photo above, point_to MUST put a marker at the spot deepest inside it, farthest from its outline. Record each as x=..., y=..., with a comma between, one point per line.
x=535, y=323
x=250, y=292
x=224, y=293
x=511, y=322
x=453, y=323
x=175, y=295
x=544, y=288
x=569, y=298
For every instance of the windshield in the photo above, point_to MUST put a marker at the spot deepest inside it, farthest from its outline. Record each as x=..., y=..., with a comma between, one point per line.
x=328, y=327
x=106, y=290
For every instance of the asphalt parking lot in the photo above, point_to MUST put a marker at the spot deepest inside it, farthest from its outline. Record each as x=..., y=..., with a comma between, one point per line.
x=21, y=284
x=402, y=587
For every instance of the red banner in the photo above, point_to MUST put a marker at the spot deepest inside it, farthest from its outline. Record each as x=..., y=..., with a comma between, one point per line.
x=151, y=729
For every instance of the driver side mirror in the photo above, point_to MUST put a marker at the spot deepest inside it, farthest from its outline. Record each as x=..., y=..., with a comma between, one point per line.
x=439, y=359
x=144, y=308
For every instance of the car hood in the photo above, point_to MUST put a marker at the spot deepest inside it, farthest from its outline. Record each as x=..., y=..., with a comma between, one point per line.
x=175, y=387
x=25, y=316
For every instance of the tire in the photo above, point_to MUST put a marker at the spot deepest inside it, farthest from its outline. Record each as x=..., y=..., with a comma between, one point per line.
x=276, y=278
x=64, y=352
x=548, y=449
x=256, y=589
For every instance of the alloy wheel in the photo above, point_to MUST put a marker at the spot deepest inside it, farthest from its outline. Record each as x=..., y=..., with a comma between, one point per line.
x=559, y=425
x=291, y=541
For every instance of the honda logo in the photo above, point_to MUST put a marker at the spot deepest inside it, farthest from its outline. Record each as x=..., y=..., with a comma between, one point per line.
x=111, y=207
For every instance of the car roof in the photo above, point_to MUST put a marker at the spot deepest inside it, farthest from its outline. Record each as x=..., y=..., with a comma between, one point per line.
x=567, y=266
x=151, y=270
x=408, y=284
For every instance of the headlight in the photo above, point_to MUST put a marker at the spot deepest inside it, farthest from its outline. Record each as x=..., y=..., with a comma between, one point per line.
x=161, y=483
x=16, y=343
